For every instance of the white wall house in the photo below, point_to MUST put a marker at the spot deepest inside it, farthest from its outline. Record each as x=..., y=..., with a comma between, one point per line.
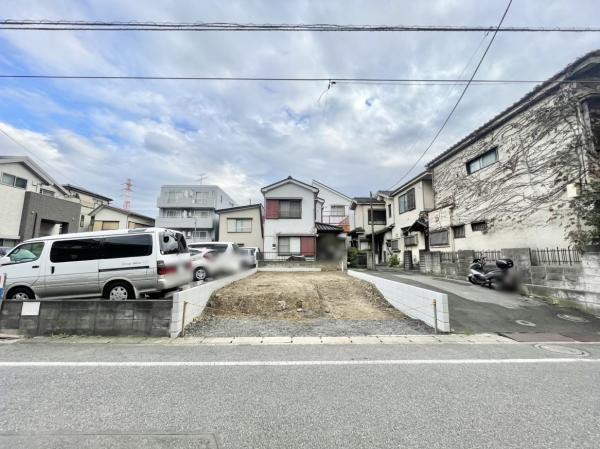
x=406, y=209
x=361, y=233
x=290, y=218
x=88, y=201
x=32, y=203
x=510, y=182
x=336, y=207
x=242, y=225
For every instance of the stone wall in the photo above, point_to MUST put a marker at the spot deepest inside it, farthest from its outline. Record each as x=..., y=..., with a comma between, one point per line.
x=86, y=317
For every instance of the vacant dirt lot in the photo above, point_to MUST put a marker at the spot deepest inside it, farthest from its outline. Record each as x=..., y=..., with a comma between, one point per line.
x=299, y=296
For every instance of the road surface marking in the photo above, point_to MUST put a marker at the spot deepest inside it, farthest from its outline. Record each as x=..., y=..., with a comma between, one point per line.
x=297, y=363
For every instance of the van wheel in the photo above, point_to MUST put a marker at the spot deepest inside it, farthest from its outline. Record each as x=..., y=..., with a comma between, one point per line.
x=119, y=291
x=200, y=274
x=21, y=294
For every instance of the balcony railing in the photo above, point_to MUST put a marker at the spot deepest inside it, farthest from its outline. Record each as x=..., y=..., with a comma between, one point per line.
x=338, y=220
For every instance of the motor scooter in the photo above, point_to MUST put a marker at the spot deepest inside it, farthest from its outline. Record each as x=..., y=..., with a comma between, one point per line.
x=499, y=277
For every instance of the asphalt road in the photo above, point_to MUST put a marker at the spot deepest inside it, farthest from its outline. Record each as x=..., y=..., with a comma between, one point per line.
x=363, y=396
x=475, y=309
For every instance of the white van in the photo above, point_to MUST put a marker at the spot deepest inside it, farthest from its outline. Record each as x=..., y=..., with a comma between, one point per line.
x=116, y=265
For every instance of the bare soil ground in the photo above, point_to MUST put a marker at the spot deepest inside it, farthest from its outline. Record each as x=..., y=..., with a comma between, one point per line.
x=300, y=296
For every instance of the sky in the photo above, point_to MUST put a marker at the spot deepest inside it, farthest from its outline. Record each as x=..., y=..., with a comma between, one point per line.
x=245, y=135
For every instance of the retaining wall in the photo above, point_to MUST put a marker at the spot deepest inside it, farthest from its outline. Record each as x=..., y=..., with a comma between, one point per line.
x=193, y=301
x=86, y=317
x=413, y=301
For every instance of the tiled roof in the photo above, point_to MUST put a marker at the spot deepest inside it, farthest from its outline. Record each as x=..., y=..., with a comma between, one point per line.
x=322, y=227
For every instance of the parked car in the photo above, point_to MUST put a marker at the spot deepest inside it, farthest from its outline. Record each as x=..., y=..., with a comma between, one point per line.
x=117, y=265
x=203, y=263
x=227, y=256
x=249, y=256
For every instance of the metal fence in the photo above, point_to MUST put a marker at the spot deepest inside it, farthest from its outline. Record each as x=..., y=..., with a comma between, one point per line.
x=490, y=255
x=277, y=257
x=555, y=256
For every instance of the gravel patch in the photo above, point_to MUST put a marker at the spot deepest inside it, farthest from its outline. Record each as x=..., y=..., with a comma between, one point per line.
x=248, y=327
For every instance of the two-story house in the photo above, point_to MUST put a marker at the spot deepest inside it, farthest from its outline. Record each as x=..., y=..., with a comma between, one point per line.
x=336, y=207
x=290, y=216
x=191, y=210
x=242, y=225
x=361, y=233
x=406, y=208
x=510, y=182
x=89, y=201
x=32, y=203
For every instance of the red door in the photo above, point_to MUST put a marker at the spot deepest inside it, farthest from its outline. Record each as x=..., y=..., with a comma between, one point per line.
x=307, y=246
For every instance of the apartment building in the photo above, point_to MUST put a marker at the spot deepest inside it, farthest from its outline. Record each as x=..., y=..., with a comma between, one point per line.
x=191, y=210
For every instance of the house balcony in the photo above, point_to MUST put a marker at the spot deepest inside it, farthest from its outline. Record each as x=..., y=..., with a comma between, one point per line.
x=342, y=221
x=185, y=222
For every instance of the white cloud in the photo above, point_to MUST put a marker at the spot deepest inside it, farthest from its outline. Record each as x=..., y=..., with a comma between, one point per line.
x=244, y=134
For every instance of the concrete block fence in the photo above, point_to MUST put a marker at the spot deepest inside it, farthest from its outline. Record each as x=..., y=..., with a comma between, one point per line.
x=413, y=301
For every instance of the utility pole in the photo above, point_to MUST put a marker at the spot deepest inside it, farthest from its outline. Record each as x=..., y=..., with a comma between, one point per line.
x=372, y=232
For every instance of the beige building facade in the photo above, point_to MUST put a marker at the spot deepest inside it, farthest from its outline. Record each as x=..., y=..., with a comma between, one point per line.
x=242, y=225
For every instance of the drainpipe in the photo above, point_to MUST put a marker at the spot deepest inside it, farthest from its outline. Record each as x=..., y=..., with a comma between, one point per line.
x=34, y=223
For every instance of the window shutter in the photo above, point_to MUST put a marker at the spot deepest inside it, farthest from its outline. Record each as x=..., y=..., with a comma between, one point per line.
x=307, y=246
x=272, y=209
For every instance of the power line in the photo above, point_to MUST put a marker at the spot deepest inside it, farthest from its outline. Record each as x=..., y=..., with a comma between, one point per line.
x=457, y=101
x=391, y=81
x=83, y=25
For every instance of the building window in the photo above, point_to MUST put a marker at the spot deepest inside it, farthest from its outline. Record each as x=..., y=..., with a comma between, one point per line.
x=389, y=210
x=82, y=221
x=458, y=232
x=14, y=181
x=479, y=226
x=289, y=245
x=482, y=161
x=338, y=211
x=237, y=225
x=290, y=209
x=395, y=245
x=593, y=107
x=378, y=215
x=8, y=243
x=438, y=238
x=406, y=202
x=411, y=240
x=47, y=192
x=172, y=213
x=198, y=213
x=110, y=225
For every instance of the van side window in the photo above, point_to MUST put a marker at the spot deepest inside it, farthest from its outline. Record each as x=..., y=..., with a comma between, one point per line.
x=26, y=253
x=127, y=246
x=75, y=250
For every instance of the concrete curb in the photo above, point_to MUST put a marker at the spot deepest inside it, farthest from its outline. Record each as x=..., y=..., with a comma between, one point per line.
x=282, y=340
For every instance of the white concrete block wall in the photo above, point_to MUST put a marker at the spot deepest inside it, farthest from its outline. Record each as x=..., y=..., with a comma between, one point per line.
x=196, y=299
x=413, y=301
